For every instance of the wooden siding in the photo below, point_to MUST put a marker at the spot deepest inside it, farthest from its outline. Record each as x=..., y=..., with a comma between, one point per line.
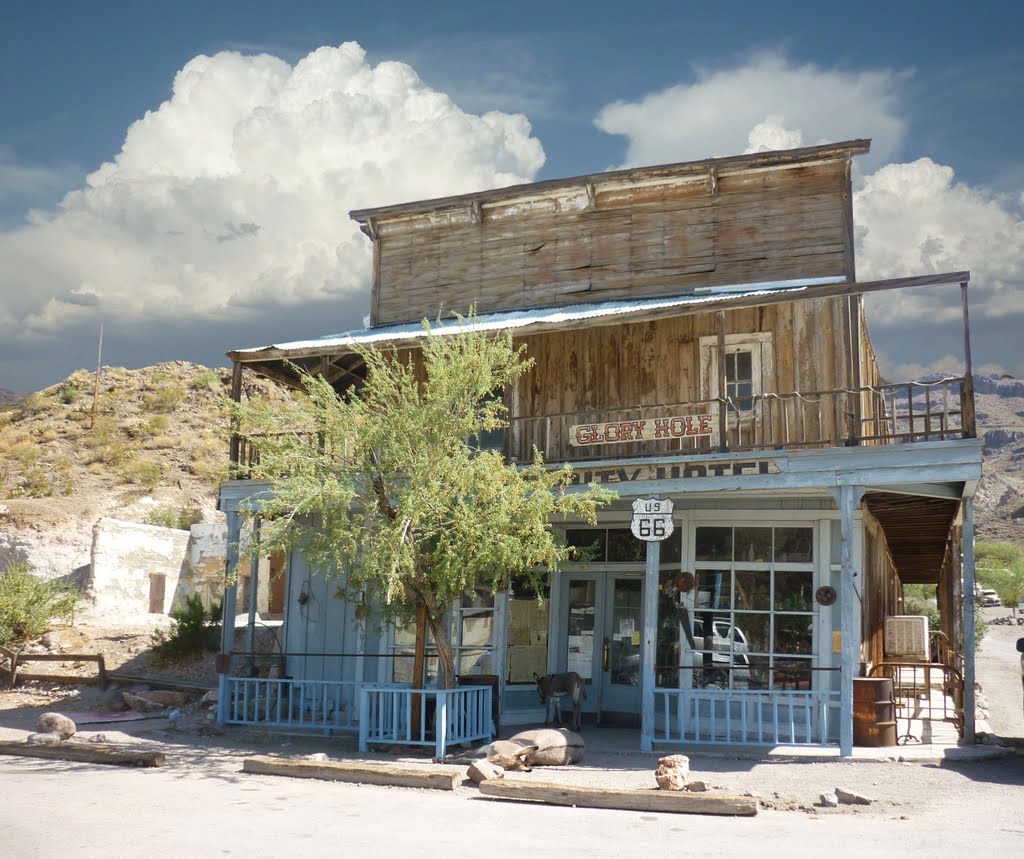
x=621, y=243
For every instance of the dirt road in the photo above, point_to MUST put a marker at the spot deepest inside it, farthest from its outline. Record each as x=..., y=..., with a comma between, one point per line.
x=998, y=670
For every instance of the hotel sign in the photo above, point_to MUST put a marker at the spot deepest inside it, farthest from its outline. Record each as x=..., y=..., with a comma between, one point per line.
x=675, y=471
x=647, y=429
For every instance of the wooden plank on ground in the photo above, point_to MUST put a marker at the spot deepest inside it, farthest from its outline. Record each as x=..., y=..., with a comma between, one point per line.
x=357, y=772
x=88, y=753
x=676, y=802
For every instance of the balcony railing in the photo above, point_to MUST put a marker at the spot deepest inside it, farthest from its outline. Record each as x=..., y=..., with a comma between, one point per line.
x=887, y=414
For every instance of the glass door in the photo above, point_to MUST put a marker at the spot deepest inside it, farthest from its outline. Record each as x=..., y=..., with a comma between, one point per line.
x=622, y=634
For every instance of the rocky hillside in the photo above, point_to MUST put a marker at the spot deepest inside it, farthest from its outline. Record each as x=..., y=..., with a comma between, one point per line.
x=1000, y=500
x=155, y=453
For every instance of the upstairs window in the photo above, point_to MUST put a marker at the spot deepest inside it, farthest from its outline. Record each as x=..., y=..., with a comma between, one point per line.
x=748, y=369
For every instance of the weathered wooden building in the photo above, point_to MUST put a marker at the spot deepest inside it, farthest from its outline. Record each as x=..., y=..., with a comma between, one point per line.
x=698, y=334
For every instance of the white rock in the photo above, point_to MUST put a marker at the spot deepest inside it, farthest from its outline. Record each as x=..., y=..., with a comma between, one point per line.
x=829, y=800
x=848, y=797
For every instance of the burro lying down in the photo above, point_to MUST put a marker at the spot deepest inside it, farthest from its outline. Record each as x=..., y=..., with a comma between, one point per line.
x=528, y=749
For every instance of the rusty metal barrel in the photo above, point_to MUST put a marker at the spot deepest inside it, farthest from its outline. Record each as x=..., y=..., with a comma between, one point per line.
x=874, y=712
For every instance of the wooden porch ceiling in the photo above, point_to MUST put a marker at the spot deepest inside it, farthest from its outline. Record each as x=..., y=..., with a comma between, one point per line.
x=917, y=530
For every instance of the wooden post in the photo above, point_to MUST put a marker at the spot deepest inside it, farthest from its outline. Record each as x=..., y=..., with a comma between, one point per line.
x=254, y=585
x=723, y=413
x=236, y=397
x=967, y=395
x=647, y=653
x=227, y=637
x=849, y=607
x=967, y=542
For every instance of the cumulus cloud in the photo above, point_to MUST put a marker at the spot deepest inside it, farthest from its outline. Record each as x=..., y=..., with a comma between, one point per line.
x=716, y=113
x=233, y=195
x=912, y=218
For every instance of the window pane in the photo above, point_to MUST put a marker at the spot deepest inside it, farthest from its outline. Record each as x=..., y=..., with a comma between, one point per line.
x=672, y=548
x=793, y=634
x=477, y=626
x=475, y=662
x=794, y=545
x=623, y=547
x=793, y=590
x=591, y=542
x=752, y=633
x=666, y=658
x=792, y=674
x=527, y=633
x=744, y=366
x=758, y=675
x=753, y=590
x=580, y=655
x=713, y=544
x=753, y=544
x=713, y=589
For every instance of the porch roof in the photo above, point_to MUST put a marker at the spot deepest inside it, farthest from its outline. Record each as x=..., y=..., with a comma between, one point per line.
x=273, y=360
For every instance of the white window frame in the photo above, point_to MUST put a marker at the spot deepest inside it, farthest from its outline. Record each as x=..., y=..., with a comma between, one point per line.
x=759, y=344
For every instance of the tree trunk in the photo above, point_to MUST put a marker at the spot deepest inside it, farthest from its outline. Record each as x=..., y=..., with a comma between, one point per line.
x=442, y=640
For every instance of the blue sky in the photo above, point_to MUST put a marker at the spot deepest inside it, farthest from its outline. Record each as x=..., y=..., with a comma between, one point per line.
x=180, y=243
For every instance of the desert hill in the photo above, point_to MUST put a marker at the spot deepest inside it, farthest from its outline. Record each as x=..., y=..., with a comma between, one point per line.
x=157, y=451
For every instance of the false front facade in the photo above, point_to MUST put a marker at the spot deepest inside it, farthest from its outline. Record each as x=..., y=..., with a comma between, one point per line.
x=699, y=337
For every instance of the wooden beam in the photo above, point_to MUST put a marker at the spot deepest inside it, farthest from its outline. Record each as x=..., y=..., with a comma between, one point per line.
x=88, y=753
x=671, y=801
x=358, y=773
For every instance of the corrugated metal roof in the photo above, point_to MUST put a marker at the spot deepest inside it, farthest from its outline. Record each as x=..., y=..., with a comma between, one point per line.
x=517, y=319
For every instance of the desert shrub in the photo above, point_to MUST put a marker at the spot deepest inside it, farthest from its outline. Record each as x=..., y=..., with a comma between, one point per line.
x=25, y=453
x=158, y=424
x=165, y=398
x=106, y=443
x=193, y=629
x=28, y=605
x=32, y=404
x=206, y=379
x=183, y=517
x=143, y=472
x=67, y=394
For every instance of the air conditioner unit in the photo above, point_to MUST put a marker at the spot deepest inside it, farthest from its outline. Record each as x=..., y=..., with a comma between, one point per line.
x=906, y=637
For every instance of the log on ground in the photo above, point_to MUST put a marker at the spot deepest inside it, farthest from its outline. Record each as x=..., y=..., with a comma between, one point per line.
x=630, y=800
x=359, y=773
x=87, y=753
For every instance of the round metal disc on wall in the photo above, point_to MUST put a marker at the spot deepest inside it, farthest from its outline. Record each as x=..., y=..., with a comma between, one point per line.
x=825, y=595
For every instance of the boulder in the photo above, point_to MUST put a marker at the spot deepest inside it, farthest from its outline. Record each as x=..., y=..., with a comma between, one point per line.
x=48, y=739
x=697, y=786
x=848, y=797
x=555, y=748
x=55, y=723
x=829, y=800
x=210, y=699
x=673, y=772
x=483, y=770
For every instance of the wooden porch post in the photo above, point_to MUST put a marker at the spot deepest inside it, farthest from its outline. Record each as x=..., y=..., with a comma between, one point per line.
x=227, y=636
x=236, y=397
x=723, y=413
x=967, y=541
x=254, y=586
x=647, y=653
x=967, y=406
x=849, y=607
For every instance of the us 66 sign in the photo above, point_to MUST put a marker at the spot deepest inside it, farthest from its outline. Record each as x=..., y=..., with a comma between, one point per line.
x=652, y=519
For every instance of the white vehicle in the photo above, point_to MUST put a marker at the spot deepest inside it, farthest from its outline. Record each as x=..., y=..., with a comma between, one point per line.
x=988, y=598
x=723, y=638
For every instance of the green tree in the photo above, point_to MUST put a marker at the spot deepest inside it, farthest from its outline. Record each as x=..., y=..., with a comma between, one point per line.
x=386, y=483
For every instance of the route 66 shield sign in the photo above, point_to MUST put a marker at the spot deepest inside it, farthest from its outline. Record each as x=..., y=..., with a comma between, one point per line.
x=652, y=519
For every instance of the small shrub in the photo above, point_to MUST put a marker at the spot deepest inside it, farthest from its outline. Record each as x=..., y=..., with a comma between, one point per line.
x=183, y=517
x=25, y=453
x=164, y=399
x=106, y=442
x=32, y=404
x=28, y=605
x=143, y=472
x=159, y=376
x=193, y=630
x=158, y=424
x=67, y=395
x=206, y=379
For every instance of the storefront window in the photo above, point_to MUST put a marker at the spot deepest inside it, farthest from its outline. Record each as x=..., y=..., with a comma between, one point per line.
x=753, y=608
x=527, y=632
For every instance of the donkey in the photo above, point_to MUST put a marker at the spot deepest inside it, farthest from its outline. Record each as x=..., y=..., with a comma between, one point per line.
x=553, y=687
